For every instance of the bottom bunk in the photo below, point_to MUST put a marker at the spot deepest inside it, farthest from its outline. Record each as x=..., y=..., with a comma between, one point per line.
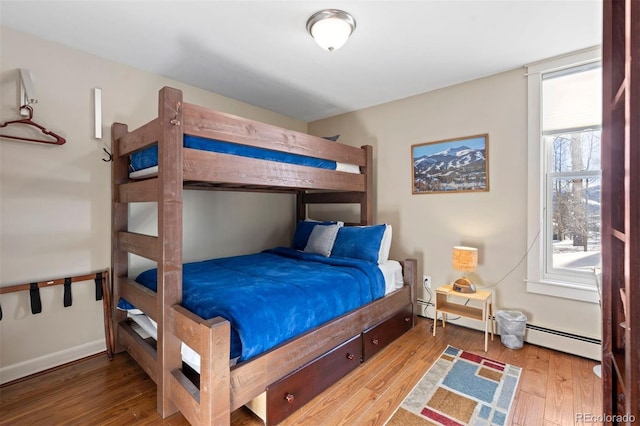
x=276, y=382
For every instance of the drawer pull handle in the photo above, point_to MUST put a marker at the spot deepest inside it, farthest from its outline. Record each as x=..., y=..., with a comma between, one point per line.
x=350, y=357
x=407, y=319
x=289, y=397
x=374, y=341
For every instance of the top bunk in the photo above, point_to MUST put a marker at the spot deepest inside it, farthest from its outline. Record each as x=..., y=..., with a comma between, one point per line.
x=179, y=122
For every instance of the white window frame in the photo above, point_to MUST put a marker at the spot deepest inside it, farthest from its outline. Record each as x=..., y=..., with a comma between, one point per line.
x=537, y=280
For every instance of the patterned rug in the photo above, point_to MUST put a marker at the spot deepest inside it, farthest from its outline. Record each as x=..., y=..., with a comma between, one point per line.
x=460, y=388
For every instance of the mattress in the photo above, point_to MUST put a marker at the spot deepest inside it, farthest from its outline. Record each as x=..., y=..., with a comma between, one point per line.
x=144, y=163
x=390, y=270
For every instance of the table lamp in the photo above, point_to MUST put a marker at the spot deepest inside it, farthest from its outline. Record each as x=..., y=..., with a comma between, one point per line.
x=465, y=259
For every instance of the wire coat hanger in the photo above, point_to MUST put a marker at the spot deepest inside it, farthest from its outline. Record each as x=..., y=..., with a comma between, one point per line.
x=29, y=122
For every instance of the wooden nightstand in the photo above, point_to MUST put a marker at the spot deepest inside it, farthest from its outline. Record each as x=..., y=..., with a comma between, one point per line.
x=485, y=314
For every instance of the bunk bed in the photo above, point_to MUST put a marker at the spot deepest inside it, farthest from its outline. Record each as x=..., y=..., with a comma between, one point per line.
x=264, y=382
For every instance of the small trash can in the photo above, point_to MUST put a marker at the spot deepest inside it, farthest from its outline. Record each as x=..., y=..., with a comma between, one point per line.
x=512, y=325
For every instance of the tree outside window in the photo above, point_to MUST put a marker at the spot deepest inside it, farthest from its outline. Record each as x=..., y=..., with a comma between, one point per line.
x=575, y=200
x=571, y=128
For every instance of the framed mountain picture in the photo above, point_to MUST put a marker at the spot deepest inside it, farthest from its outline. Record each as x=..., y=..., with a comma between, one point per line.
x=451, y=165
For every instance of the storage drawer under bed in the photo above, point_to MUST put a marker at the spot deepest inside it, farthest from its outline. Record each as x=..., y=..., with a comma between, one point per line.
x=284, y=397
x=380, y=335
x=293, y=391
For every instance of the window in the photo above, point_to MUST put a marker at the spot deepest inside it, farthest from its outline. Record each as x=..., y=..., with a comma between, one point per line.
x=564, y=180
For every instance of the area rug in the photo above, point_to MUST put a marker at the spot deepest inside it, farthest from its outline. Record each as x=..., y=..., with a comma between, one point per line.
x=460, y=388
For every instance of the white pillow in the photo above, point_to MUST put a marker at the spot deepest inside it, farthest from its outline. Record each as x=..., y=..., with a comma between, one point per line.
x=321, y=239
x=349, y=168
x=385, y=245
x=337, y=222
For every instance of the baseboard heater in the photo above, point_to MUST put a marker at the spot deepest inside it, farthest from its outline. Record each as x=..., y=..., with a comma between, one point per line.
x=563, y=341
x=564, y=334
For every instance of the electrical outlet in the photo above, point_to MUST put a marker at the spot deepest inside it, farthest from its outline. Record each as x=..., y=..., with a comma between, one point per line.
x=426, y=280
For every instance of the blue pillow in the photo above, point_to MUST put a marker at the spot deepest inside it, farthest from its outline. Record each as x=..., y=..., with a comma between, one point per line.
x=359, y=242
x=303, y=230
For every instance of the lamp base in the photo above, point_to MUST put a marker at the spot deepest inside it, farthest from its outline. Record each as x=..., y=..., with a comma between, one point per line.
x=463, y=285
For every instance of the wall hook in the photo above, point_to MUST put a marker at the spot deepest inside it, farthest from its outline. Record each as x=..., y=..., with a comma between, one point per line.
x=109, y=155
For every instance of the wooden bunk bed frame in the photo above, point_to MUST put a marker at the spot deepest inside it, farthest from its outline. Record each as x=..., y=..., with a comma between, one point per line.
x=223, y=389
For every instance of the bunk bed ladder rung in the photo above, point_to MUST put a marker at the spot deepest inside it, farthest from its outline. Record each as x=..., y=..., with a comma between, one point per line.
x=140, y=244
x=139, y=191
x=144, y=354
x=140, y=297
x=139, y=138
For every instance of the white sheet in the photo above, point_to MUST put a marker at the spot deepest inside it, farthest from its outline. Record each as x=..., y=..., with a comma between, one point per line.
x=391, y=271
x=149, y=328
x=144, y=173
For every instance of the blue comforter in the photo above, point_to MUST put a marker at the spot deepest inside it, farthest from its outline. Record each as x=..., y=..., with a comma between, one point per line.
x=275, y=295
x=149, y=157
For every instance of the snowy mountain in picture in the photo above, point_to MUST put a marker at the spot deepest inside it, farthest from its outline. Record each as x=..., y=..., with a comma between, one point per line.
x=458, y=168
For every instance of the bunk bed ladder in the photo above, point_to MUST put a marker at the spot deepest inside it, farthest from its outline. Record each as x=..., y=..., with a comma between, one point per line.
x=165, y=249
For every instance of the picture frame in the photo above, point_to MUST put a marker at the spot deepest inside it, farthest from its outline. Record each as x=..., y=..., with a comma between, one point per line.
x=451, y=165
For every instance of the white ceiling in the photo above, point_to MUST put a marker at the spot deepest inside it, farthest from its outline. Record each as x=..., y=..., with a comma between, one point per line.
x=259, y=51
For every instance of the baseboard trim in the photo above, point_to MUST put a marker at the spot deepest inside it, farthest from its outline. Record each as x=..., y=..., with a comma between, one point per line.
x=29, y=367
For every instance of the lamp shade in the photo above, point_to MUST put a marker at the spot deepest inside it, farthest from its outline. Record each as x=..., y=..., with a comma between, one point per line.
x=465, y=259
x=331, y=28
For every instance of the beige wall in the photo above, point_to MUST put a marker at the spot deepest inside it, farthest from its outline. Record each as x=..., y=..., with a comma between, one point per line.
x=55, y=200
x=427, y=226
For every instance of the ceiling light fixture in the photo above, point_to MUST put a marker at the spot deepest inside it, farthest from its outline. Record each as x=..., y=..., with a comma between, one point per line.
x=331, y=28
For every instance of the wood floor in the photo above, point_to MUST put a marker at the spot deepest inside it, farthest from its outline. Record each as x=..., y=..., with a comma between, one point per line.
x=553, y=389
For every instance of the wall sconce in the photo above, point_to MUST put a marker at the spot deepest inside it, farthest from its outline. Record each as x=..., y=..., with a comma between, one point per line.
x=331, y=28
x=465, y=259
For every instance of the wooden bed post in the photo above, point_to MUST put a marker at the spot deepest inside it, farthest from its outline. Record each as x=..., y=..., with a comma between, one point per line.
x=301, y=206
x=410, y=274
x=170, y=172
x=366, y=203
x=119, y=222
x=215, y=379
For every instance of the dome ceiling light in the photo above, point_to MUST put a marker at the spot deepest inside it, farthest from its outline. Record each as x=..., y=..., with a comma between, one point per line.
x=331, y=28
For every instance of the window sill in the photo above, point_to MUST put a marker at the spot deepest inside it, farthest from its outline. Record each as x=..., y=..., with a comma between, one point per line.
x=579, y=292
